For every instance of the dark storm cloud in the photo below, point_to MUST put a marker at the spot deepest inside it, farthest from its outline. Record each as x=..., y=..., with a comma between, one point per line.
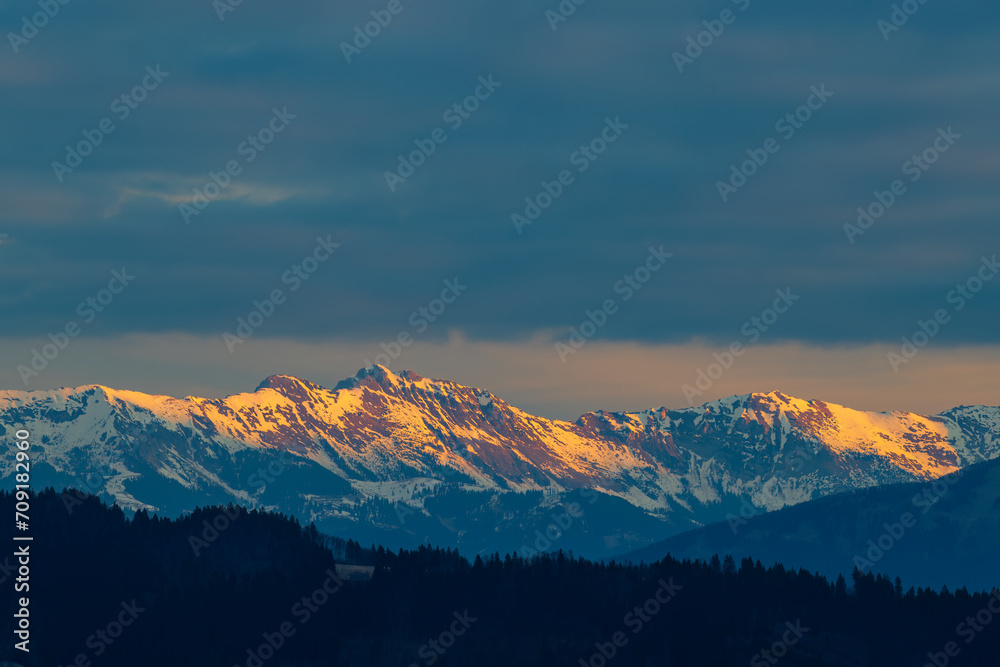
x=324, y=174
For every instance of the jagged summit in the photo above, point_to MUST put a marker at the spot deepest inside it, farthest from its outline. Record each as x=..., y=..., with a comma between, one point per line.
x=387, y=434
x=379, y=375
x=288, y=384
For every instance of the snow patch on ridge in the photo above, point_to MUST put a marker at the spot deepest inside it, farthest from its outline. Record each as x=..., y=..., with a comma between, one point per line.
x=388, y=434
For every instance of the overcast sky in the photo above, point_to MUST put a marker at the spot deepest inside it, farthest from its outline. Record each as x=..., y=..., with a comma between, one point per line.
x=663, y=140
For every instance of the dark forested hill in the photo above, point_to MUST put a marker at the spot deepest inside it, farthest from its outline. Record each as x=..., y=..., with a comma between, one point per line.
x=945, y=531
x=224, y=587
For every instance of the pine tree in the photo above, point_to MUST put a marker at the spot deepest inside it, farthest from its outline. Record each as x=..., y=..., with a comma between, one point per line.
x=715, y=564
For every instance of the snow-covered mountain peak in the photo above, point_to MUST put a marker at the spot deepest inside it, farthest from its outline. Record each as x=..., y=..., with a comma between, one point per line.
x=381, y=431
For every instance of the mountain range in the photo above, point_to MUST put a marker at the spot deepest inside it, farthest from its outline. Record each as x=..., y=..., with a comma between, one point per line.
x=399, y=459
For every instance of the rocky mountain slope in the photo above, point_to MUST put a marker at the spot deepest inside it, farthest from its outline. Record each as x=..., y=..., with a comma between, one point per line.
x=398, y=458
